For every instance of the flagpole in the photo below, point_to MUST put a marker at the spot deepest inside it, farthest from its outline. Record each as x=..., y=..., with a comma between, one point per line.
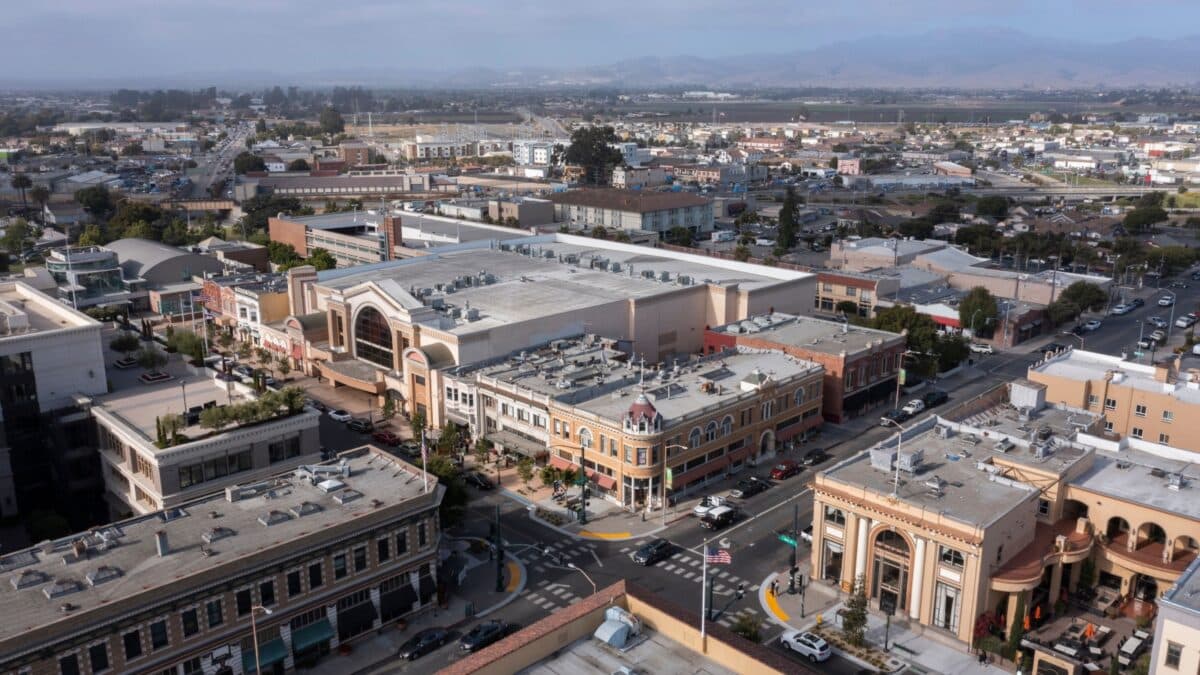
x=424, y=471
x=703, y=597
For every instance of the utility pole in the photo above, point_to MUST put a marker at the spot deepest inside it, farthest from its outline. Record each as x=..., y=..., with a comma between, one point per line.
x=795, y=545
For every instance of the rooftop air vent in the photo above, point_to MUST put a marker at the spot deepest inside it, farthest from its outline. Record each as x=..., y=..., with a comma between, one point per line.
x=216, y=534
x=305, y=509
x=168, y=515
x=29, y=578
x=472, y=314
x=346, y=496
x=62, y=587
x=1176, y=482
x=274, y=517
x=102, y=574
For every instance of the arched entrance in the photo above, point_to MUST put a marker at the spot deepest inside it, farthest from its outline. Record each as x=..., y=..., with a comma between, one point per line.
x=890, y=569
x=373, y=338
x=1145, y=588
x=766, y=445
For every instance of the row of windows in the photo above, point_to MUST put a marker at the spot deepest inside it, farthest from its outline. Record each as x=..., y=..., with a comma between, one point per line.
x=216, y=467
x=1139, y=410
x=137, y=642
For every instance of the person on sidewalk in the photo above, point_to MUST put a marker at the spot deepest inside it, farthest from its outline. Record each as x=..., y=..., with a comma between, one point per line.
x=774, y=588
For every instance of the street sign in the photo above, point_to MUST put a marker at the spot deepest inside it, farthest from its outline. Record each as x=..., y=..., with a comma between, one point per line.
x=903, y=374
x=787, y=539
x=670, y=479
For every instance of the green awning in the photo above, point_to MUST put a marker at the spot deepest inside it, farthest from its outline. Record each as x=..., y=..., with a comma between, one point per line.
x=311, y=634
x=269, y=653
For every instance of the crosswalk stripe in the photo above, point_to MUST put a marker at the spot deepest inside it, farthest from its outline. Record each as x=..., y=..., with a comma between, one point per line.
x=676, y=556
x=540, y=568
x=669, y=566
x=693, y=562
x=542, y=582
x=720, y=588
x=689, y=575
x=560, y=591
x=680, y=570
x=626, y=549
x=754, y=588
x=751, y=610
x=722, y=574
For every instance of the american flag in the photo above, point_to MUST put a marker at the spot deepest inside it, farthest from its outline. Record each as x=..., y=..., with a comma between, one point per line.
x=717, y=556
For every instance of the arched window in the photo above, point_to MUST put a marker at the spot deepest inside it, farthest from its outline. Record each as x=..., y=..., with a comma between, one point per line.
x=373, y=337
x=710, y=432
x=694, y=438
x=727, y=425
x=799, y=398
x=585, y=438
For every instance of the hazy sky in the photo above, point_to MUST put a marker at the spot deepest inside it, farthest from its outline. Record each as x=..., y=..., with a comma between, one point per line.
x=128, y=38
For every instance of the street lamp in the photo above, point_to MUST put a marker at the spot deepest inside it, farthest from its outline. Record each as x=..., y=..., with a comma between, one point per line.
x=579, y=569
x=666, y=451
x=904, y=354
x=254, y=632
x=899, y=441
x=1170, y=321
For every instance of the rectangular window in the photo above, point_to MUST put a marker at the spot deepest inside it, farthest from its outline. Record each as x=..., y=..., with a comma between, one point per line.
x=190, y=621
x=215, y=616
x=1168, y=416
x=244, y=602
x=1043, y=507
x=1108, y=426
x=294, y=587
x=360, y=558
x=1136, y=432
x=1093, y=400
x=851, y=291
x=98, y=655
x=315, y=578
x=69, y=664
x=383, y=550
x=402, y=542
x=1164, y=439
x=950, y=557
x=641, y=456
x=266, y=593
x=422, y=536
x=1174, y=655
x=158, y=635
x=339, y=566
x=192, y=666
x=1110, y=404
x=1139, y=410
x=132, y=641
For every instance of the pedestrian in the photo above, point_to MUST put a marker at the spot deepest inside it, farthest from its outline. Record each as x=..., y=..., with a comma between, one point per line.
x=774, y=588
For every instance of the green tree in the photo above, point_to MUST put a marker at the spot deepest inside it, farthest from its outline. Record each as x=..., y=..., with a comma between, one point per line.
x=590, y=148
x=786, y=237
x=126, y=343
x=331, y=121
x=417, y=422
x=978, y=312
x=246, y=162
x=92, y=236
x=847, y=307
x=215, y=418
x=151, y=359
x=298, y=165
x=21, y=182
x=854, y=616
x=483, y=450
x=15, y=236
x=1016, y=630
x=1085, y=295
x=1062, y=311
x=41, y=196
x=679, y=236
x=449, y=439
x=1143, y=218
x=132, y=150
x=322, y=259
x=97, y=201
x=748, y=627
x=525, y=470
x=283, y=254
x=454, y=502
x=741, y=253
x=993, y=206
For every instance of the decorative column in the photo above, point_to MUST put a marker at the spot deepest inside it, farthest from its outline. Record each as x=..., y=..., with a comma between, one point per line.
x=849, y=550
x=1055, y=583
x=378, y=611
x=1011, y=619
x=331, y=614
x=285, y=633
x=860, y=552
x=918, y=574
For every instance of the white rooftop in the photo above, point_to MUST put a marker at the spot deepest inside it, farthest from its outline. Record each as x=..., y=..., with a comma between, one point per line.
x=1078, y=365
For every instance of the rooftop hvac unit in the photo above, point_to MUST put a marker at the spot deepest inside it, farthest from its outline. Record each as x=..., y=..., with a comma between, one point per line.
x=455, y=313
x=881, y=458
x=571, y=259
x=548, y=254
x=911, y=461
x=439, y=287
x=1041, y=450
x=1175, y=482
x=647, y=274
x=472, y=314
x=437, y=303
x=614, y=267
x=943, y=431
x=505, y=247
x=1004, y=445
x=683, y=280
x=664, y=276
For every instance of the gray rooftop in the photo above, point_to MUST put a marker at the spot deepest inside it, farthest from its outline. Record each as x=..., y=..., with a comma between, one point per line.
x=1185, y=593
x=121, y=561
x=140, y=405
x=23, y=310
x=1144, y=478
x=1078, y=365
x=337, y=221
x=817, y=335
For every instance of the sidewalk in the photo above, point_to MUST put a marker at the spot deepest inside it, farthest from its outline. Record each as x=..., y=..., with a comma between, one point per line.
x=908, y=644
x=476, y=593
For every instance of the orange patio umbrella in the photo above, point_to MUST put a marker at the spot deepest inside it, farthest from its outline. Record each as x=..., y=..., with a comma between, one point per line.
x=1037, y=613
x=1025, y=623
x=1090, y=631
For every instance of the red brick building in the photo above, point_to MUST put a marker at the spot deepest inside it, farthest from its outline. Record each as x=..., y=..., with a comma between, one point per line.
x=861, y=364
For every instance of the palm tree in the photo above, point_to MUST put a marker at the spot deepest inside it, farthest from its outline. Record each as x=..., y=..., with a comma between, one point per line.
x=40, y=195
x=21, y=182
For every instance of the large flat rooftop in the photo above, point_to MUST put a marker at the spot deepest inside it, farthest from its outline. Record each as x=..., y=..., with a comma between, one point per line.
x=1145, y=479
x=121, y=560
x=1081, y=366
x=24, y=311
x=1185, y=593
x=817, y=335
x=141, y=406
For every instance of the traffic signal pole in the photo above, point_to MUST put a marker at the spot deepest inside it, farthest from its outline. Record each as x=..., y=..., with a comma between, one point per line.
x=795, y=545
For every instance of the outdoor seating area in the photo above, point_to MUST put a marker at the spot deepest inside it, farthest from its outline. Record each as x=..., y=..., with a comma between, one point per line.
x=1091, y=641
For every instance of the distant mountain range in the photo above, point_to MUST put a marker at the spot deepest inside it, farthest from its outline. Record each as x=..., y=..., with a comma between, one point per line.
x=960, y=59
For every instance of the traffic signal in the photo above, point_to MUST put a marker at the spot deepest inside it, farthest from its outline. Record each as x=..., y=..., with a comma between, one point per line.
x=741, y=591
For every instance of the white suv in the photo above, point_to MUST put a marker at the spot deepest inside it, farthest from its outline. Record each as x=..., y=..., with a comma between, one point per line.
x=806, y=644
x=981, y=348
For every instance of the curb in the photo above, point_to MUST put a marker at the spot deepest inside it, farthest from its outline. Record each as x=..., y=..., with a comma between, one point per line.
x=587, y=535
x=769, y=604
x=510, y=595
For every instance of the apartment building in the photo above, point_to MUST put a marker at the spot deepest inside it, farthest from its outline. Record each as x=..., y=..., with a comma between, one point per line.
x=352, y=238
x=259, y=304
x=396, y=327
x=424, y=148
x=1144, y=406
x=525, y=211
x=634, y=210
x=143, y=473
x=860, y=364
x=639, y=433
x=354, y=153
x=1005, y=502
x=862, y=290
x=628, y=178
x=49, y=354
x=315, y=557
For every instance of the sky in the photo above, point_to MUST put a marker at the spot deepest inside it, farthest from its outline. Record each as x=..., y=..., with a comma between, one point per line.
x=113, y=39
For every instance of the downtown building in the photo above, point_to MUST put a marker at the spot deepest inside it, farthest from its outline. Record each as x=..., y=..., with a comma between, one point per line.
x=639, y=433
x=333, y=552
x=1006, y=502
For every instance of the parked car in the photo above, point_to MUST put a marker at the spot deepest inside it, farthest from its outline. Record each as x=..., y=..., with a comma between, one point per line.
x=934, y=397
x=1196, y=275
x=891, y=416
x=1158, y=335
x=806, y=644
x=718, y=517
x=914, y=406
x=1157, y=322
x=410, y=449
x=485, y=634
x=1185, y=321
x=707, y=504
x=1179, y=284
x=478, y=480
x=1146, y=343
x=748, y=488
x=388, y=438
x=1166, y=301
x=785, y=469
x=652, y=551
x=1091, y=325
x=360, y=425
x=1118, y=310
x=814, y=457
x=340, y=415
x=1137, y=302
x=981, y=348
x=424, y=642
x=315, y=404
